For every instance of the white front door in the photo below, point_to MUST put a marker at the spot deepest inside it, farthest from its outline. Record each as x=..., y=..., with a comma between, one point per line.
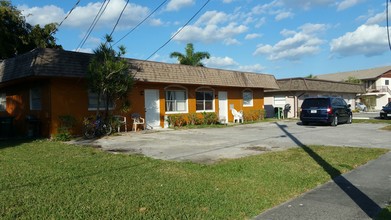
x=223, y=107
x=152, y=108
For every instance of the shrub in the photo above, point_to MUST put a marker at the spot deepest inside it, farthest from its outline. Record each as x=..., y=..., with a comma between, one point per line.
x=176, y=120
x=193, y=119
x=254, y=115
x=64, y=130
x=210, y=118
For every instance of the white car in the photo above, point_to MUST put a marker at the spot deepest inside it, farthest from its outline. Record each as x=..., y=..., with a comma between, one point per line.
x=361, y=106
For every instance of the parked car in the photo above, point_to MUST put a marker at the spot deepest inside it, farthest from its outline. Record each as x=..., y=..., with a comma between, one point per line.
x=386, y=111
x=361, y=106
x=330, y=110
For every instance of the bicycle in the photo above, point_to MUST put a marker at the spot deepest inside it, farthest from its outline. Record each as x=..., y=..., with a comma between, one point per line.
x=96, y=128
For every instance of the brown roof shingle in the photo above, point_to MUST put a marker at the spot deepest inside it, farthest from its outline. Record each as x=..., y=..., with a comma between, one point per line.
x=318, y=85
x=358, y=74
x=60, y=63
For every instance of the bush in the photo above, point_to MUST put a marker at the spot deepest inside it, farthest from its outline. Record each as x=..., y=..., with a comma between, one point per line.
x=64, y=130
x=193, y=119
x=254, y=115
x=210, y=118
x=176, y=120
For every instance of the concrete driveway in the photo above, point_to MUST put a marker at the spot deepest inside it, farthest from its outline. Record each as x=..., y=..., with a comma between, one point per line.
x=212, y=144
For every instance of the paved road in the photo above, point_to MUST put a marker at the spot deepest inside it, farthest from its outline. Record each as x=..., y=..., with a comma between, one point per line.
x=209, y=145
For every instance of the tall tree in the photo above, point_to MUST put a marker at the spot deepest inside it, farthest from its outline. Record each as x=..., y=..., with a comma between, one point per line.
x=109, y=75
x=191, y=58
x=18, y=36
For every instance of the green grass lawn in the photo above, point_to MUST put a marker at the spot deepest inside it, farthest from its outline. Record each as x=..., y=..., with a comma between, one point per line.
x=385, y=214
x=51, y=180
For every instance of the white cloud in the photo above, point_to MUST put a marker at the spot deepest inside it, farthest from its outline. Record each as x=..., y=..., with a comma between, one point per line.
x=231, y=41
x=84, y=50
x=256, y=68
x=220, y=62
x=345, y=4
x=42, y=16
x=305, y=4
x=296, y=44
x=283, y=15
x=82, y=16
x=229, y=63
x=377, y=18
x=260, y=22
x=212, y=26
x=367, y=40
x=252, y=36
x=176, y=5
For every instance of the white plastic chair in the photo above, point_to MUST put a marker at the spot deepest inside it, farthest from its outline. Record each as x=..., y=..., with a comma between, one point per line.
x=238, y=116
x=121, y=121
x=137, y=120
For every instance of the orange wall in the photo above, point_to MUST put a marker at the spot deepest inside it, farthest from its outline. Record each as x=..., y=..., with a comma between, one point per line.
x=18, y=106
x=69, y=96
x=235, y=97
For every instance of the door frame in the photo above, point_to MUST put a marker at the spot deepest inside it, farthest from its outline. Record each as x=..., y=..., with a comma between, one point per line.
x=221, y=102
x=148, y=120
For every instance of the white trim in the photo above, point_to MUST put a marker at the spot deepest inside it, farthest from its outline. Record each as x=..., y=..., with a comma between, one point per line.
x=206, y=89
x=176, y=88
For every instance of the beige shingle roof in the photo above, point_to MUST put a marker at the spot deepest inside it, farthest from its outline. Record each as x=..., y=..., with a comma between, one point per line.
x=318, y=85
x=52, y=63
x=358, y=74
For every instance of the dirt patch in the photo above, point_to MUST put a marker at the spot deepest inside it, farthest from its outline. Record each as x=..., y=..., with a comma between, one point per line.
x=258, y=148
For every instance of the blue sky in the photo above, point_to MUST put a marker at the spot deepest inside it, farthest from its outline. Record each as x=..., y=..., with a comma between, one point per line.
x=286, y=38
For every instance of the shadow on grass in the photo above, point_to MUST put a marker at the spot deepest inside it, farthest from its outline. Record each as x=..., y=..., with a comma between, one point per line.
x=14, y=142
x=363, y=201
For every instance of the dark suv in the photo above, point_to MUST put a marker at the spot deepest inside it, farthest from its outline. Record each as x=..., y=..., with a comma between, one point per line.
x=330, y=110
x=386, y=111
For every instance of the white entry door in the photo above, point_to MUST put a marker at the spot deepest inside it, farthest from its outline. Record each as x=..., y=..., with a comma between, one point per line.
x=152, y=108
x=223, y=106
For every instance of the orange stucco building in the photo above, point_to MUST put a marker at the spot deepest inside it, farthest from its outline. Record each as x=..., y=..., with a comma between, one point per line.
x=39, y=86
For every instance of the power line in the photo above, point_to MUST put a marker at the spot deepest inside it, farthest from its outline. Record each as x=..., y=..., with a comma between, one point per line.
x=66, y=17
x=93, y=24
x=164, y=2
x=119, y=18
x=179, y=30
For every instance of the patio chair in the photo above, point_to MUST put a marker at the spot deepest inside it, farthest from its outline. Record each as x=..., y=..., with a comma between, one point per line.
x=137, y=120
x=238, y=116
x=121, y=121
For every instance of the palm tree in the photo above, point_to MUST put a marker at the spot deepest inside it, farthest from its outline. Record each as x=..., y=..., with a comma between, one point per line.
x=311, y=76
x=190, y=58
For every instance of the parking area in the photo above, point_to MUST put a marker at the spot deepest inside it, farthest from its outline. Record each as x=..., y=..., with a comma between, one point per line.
x=211, y=144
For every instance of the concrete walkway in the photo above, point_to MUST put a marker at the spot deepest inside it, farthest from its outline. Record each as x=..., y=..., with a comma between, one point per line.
x=359, y=194
x=212, y=144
